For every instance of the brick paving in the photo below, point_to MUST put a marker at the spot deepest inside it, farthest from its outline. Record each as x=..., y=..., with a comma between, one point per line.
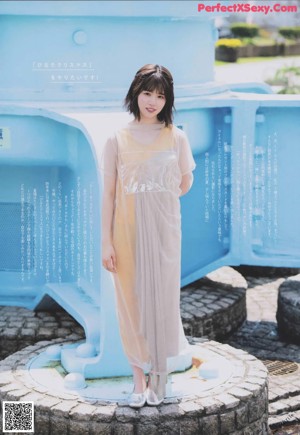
x=291, y=430
x=20, y=327
x=214, y=306
x=259, y=336
x=237, y=405
x=288, y=312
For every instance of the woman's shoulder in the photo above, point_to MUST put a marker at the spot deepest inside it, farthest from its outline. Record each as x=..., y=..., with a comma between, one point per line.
x=178, y=133
x=113, y=136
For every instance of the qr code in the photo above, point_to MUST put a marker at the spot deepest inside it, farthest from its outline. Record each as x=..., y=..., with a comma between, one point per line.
x=18, y=417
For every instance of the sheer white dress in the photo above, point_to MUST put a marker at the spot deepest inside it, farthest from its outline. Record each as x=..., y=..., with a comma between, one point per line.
x=148, y=162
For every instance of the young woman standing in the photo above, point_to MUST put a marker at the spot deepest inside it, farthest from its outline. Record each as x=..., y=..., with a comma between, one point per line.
x=147, y=166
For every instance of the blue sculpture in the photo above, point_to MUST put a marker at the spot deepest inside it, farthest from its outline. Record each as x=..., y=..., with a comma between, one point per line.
x=61, y=95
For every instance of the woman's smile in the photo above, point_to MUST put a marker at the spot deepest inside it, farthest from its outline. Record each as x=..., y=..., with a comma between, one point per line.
x=150, y=104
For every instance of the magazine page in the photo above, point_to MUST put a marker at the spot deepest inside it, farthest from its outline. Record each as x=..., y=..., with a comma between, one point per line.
x=149, y=210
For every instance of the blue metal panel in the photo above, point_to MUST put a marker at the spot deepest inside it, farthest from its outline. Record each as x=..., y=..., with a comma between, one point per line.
x=276, y=233
x=243, y=206
x=71, y=60
x=50, y=173
x=210, y=138
x=13, y=217
x=256, y=88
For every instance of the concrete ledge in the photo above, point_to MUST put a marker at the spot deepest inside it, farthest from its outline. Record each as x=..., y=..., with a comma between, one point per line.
x=288, y=310
x=238, y=406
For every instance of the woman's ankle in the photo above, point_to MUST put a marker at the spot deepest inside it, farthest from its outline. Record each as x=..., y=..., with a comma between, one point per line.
x=157, y=382
x=139, y=380
x=140, y=386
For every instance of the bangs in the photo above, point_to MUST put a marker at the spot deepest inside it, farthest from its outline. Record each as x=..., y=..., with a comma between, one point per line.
x=154, y=83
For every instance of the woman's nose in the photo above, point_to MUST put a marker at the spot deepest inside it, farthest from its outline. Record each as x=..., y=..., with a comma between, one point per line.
x=153, y=99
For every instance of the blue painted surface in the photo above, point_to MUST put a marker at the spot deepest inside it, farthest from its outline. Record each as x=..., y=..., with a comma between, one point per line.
x=94, y=56
x=245, y=183
x=256, y=88
x=48, y=165
x=243, y=207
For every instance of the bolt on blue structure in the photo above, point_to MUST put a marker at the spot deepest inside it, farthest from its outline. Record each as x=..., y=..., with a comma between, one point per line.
x=65, y=73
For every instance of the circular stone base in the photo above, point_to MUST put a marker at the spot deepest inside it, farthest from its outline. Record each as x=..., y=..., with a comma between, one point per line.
x=209, y=370
x=233, y=399
x=214, y=306
x=288, y=310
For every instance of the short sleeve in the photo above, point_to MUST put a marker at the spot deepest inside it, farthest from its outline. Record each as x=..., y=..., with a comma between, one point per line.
x=108, y=164
x=185, y=157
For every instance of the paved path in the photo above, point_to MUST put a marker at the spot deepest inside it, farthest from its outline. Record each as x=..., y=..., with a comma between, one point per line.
x=253, y=72
x=259, y=337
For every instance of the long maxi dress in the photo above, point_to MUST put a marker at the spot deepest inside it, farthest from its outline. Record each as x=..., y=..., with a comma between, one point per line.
x=148, y=162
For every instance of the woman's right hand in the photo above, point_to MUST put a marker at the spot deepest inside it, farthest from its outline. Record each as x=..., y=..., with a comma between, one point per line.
x=109, y=257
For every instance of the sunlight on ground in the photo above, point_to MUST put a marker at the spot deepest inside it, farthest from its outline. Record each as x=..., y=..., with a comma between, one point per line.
x=243, y=60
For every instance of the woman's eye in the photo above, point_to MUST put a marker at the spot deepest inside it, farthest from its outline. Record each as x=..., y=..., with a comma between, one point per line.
x=161, y=96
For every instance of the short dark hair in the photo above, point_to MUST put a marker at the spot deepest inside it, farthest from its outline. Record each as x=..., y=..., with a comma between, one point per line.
x=149, y=78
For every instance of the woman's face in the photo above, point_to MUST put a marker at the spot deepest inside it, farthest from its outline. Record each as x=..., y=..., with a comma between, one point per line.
x=150, y=104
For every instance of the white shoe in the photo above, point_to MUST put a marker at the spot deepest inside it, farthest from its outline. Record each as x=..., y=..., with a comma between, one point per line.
x=152, y=398
x=137, y=400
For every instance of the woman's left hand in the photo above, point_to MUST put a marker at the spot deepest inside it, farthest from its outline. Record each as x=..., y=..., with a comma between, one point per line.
x=186, y=183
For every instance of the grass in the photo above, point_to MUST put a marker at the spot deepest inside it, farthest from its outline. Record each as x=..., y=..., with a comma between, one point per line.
x=258, y=41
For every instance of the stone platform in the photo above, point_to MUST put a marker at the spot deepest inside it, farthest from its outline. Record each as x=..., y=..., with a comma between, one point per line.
x=214, y=307
x=20, y=327
x=231, y=399
x=259, y=336
x=288, y=311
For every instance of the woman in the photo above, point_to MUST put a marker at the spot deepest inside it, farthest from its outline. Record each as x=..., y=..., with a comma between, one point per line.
x=147, y=166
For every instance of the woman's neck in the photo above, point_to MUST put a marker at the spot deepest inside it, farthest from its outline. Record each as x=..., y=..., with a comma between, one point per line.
x=146, y=122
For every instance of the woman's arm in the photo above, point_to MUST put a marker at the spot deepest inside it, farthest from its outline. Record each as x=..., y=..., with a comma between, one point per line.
x=186, y=161
x=108, y=252
x=186, y=183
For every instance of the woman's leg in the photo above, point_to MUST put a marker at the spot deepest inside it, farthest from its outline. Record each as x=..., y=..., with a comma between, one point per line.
x=139, y=379
x=156, y=388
